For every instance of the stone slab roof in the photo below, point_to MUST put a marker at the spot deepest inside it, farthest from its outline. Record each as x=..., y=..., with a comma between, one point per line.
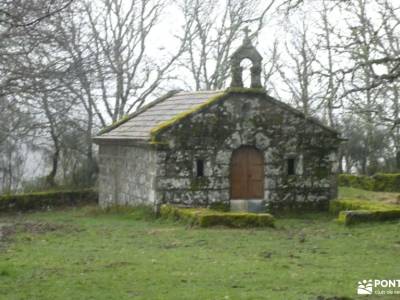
x=138, y=125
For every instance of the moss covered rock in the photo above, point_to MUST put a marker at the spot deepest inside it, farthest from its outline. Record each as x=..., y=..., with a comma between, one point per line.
x=357, y=211
x=354, y=204
x=206, y=217
x=360, y=216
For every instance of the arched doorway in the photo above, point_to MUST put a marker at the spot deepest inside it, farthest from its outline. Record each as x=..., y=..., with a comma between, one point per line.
x=247, y=173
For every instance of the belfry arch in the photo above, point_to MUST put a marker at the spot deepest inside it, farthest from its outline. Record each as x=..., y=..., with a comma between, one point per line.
x=246, y=51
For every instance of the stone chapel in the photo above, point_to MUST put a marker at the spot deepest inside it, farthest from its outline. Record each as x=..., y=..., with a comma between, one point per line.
x=237, y=148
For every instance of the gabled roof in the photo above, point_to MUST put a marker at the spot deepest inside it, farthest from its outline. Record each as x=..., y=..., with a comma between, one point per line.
x=173, y=107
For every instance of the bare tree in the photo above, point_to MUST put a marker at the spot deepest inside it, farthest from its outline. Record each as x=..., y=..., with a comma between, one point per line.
x=20, y=13
x=19, y=37
x=15, y=127
x=270, y=68
x=124, y=72
x=214, y=30
x=327, y=67
x=297, y=72
x=361, y=47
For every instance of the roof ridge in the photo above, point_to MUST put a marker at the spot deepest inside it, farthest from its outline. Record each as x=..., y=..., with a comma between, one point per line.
x=198, y=92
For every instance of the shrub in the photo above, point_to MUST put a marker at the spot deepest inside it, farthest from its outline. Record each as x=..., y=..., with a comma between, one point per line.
x=205, y=217
x=379, y=182
x=359, y=182
x=386, y=182
x=37, y=184
x=41, y=200
x=221, y=206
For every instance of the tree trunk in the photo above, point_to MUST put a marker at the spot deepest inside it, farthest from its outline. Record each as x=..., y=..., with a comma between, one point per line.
x=50, y=179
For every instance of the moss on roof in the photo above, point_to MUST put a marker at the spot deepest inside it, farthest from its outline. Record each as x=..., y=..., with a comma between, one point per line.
x=183, y=115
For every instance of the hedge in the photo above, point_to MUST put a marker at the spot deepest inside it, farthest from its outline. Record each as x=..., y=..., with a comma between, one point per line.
x=206, y=217
x=388, y=182
x=42, y=200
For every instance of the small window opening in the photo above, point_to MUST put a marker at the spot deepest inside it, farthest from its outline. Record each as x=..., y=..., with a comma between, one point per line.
x=199, y=168
x=291, y=166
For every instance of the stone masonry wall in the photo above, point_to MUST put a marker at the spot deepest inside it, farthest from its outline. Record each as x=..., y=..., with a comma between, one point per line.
x=126, y=175
x=248, y=119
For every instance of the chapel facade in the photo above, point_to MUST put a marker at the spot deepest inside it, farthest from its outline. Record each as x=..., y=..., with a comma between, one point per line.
x=237, y=148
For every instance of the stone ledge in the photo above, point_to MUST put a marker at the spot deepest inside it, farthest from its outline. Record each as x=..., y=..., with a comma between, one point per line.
x=352, y=211
x=207, y=218
x=351, y=217
x=339, y=205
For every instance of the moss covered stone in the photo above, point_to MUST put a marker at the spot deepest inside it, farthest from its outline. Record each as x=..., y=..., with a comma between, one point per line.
x=363, y=216
x=198, y=183
x=182, y=116
x=242, y=90
x=354, y=204
x=206, y=217
x=352, y=211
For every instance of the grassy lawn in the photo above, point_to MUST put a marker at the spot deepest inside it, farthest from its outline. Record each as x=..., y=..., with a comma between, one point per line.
x=352, y=193
x=81, y=254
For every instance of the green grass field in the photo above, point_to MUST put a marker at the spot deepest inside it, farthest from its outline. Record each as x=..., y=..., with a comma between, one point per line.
x=352, y=193
x=84, y=254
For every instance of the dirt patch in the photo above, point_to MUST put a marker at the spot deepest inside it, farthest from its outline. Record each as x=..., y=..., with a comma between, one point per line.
x=8, y=230
x=393, y=200
x=40, y=228
x=160, y=231
x=117, y=264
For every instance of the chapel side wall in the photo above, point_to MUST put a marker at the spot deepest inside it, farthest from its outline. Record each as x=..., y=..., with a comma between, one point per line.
x=126, y=176
x=212, y=135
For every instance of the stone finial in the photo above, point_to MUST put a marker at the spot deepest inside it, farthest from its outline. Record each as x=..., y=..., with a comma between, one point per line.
x=247, y=50
x=246, y=39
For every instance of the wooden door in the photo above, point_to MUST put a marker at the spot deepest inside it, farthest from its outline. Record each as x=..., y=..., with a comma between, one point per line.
x=247, y=174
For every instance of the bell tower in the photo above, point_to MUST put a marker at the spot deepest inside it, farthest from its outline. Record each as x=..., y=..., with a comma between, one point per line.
x=246, y=50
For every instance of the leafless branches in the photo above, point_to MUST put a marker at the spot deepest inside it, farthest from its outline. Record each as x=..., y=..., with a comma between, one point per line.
x=19, y=13
x=214, y=29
